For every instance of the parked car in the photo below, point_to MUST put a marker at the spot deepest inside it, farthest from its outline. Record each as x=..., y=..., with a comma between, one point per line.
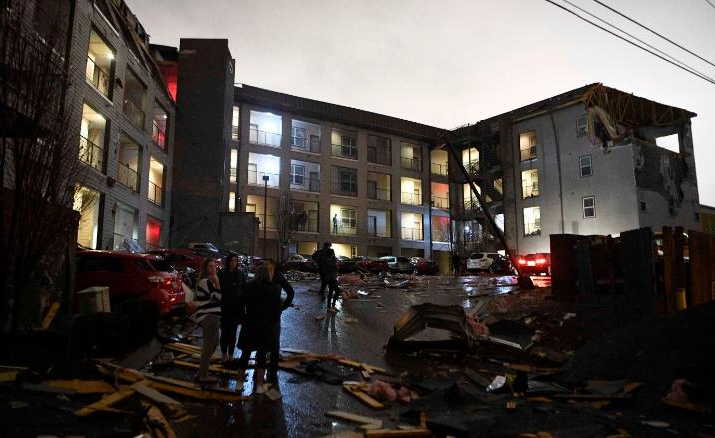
x=299, y=262
x=480, y=261
x=205, y=248
x=370, y=264
x=427, y=267
x=346, y=265
x=398, y=264
x=535, y=264
x=180, y=258
x=501, y=266
x=131, y=276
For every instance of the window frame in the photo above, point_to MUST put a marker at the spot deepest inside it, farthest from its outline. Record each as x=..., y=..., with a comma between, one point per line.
x=592, y=207
x=582, y=126
x=534, y=146
x=534, y=193
x=536, y=232
x=294, y=174
x=581, y=166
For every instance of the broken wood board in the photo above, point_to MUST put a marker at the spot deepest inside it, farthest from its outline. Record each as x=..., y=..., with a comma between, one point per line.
x=360, y=419
x=387, y=433
x=106, y=402
x=363, y=396
x=157, y=423
x=50, y=315
x=214, y=368
x=154, y=395
x=8, y=376
x=82, y=386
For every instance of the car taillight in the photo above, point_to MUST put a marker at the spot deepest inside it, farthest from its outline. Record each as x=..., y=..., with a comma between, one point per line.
x=155, y=279
x=521, y=261
x=540, y=261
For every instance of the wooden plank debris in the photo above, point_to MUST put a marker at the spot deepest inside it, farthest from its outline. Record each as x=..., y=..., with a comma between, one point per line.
x=82, y=386
x=387, y=433
x=106, y=402
x=50, y=315
x=360, y=419
x=358, y=392
x=154, y=395
x=157, y=423
x=214, y=368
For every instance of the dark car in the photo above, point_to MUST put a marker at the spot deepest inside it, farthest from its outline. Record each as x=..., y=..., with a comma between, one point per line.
x=535, y=264
x=370, y=264
x=398, y=264
x=346, y=265
x=298, y=262
x=130, y=276
x=427, y=267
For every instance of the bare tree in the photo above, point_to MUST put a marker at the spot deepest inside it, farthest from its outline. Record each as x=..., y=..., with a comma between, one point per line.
x=38, y=153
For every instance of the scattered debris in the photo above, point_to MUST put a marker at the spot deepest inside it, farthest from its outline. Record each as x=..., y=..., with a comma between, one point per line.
x=374, y=422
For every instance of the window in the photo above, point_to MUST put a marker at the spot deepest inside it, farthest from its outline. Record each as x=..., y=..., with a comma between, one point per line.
x=470, y=160
x=100, y=64
x=158, y=126
x=155, y=193
x=233, y=170
x=345, y=181
x=231, y=202
x=91, y=138
x=585, y=166
x=378, y=186
x=129, y=158
x=411, y=226
x=344, y=145
x=582, y=126
x=410, y=156
x=439, y=159
x=86, y=203
x=134, y=96
x=263, y=165
x=348, y=218
x=532, y=221
x=343, y=220
x=297, y=174
x=411, y=191
x=265, y=129
x=589, y=207
x=235, y=120
x=305, y=136
x=529, y=183
x=527, y=145
x=379, y=150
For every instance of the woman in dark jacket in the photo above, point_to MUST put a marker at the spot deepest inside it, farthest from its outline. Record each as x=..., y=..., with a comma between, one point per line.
x=233, y=281
x=262, y=324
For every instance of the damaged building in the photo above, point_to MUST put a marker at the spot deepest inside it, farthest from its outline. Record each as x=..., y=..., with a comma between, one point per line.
x=590, y=161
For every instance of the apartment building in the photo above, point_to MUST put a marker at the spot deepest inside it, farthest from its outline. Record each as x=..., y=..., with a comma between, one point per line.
x=588, y=161
x=124, y=122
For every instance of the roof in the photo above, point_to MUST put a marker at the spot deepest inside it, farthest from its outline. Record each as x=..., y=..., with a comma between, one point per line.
x=336, y=113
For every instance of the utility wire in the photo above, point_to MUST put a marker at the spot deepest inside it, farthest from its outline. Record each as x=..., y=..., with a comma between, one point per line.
x=656, y=33
x=683, y=64
x=629, y=41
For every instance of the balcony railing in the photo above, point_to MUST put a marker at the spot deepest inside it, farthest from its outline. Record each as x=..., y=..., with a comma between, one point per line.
x=529, y=190
x=379, y=156
x=90, y=153
x=306, y=144
x=440, y=202
x=306, y=184
x=234, y=133
x=128, y=176
x=411, y=233
x=345, y=151
x=232, y=175
x=343, y=229
x=439, y=169
x=411, y=198
x=346, y=189
x=472, y=167
x=440, y=235
x=255, y=178
x=97, y=77
x=155, y=194
x=265, y=138
x=374, y=232
x=158, y=134
x=411, y=163
x=306, y=221
x=381, y=194
x=269, y=222
x=134, y=113
x=528, y=154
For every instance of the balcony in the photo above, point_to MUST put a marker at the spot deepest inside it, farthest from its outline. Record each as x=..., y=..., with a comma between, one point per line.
x=158, y=134
x=380, y=194
x=440, y=202
x=527, y=153
x=411, y=198
x=155, y=194
x=91, y=154
x=134, y=113
x=439, y=169
x=305, y=144
x=305, y=221
x=440, y=235
x=264, y=138
x=343, y=229
x=128, y=176
x=255, y=178
x=345, y=151
x=234, y=133
x=379, y=156
x=270, y=222
x=305, y=184
x=412, y=233
x=232, y=175
x=98, y=77
x=345, y=188
x=411, y=163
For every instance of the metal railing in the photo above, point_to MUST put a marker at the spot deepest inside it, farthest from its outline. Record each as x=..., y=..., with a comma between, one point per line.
x=99, y=78
x=307, y=222
x=343, y=229
x=232, y=175
x=270, y=221
x=134, y=113
x=306, y=144
x=472, y=167
x=307, y=184
x=90, y=153
x=440, y=202
x=374, y=232
x=343, y=188
x=158, y=134
x=439, y=169
x=265, y=138
x=379, y=157
x=440, y=235
x=411, y=198
x=155, y=194
x=381, y=194
x=527, y=154
x=345, y=151
x=128, y=176
x=412, y=233
x=529, y=190
x=411, y=163
x=234, y=133
x=255, y=178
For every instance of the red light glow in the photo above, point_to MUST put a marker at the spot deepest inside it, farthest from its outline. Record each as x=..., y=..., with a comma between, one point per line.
x=522, y=261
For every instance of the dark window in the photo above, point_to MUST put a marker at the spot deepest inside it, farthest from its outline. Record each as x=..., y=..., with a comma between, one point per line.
x=643, y=206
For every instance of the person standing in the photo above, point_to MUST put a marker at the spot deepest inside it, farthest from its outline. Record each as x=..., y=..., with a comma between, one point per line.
x=208, y=316
x=261, y=329
x=318, y=259
x=335, y=224
x=456, y=263
x=330, y=273
x=233, y=281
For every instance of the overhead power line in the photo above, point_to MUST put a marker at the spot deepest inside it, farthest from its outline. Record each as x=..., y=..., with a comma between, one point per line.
x=650, y=46
x=656, y=33
x=705, y=78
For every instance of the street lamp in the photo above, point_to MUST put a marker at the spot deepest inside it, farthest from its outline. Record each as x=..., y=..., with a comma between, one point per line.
x=265, y=213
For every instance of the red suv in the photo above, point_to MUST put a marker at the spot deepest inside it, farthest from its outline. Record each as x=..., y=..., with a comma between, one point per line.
x=535, y=264
x=130, y=276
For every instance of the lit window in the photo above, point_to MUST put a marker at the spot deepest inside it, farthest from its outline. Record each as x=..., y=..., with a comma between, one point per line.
x=532, y=221
x=589, y=207
x=231, y=202
x=235, y=123
x=527, y=145
x=234, y=165
x=529, y=183
x=470, y=160
x=582, y=126
x=585, y=166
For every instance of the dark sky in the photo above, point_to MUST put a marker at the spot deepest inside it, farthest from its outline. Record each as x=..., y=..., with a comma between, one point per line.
x=447, y=63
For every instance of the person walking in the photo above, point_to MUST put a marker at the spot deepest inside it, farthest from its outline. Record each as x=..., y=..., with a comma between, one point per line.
x=318, y=259
x=208, y=316
x=233, y=281
x=261, y=329
x=330, y=273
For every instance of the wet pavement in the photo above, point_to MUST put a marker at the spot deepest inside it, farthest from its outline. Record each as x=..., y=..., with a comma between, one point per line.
x=359, y=331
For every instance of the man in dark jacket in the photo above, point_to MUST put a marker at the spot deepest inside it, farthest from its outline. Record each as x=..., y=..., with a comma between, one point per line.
x=233, y=282
x=330, y=274
x=318, y=259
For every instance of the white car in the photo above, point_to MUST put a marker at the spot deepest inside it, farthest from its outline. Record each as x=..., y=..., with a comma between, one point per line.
x=480, y=261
